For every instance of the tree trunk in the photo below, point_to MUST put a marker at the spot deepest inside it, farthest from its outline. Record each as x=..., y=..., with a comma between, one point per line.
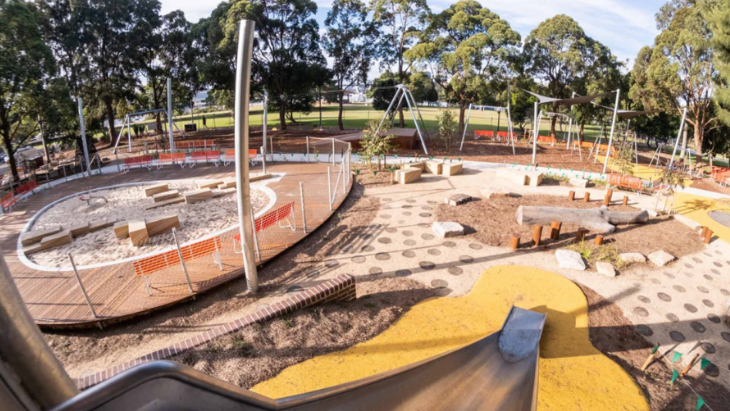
x=684, y=143
x=600, y=219
x=341, y=97
x=400, y=79
x=581, y=134
x=110, y=119
x=552, y=126
x=699, y=136
x=8, y=145
x=282, y=116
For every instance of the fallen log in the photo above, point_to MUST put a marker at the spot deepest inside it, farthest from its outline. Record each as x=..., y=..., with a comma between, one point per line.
x=600, y=220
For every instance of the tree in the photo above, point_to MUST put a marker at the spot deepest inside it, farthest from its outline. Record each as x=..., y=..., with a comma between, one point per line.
x=217, y=62
x=448, y=128
x=717, y=140
x=26, y=62
x=374, y=144
x=349, y=41
x=467, y=48
x=558, y=52
x=383, y=91
x=401, y=22
x=679, y=69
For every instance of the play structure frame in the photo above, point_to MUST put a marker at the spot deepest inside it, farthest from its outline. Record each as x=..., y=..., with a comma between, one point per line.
x=498, y=109
x=403, y=92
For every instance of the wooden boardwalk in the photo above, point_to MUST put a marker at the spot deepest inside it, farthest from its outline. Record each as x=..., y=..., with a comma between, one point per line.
x=55, y=300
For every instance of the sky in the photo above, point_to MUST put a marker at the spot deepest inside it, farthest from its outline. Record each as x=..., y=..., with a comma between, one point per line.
x=623, y=25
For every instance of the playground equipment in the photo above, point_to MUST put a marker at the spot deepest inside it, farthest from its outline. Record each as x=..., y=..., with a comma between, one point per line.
x=510, y=134
x=402, y=92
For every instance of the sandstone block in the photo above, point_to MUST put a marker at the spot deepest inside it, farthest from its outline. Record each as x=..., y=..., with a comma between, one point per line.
x=155, y=189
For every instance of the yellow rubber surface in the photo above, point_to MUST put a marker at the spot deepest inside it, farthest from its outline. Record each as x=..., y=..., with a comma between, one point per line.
x=573, y=375
x=696, y=208
x=642, y=171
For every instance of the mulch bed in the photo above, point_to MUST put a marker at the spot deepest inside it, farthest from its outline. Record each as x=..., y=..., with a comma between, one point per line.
x=493, y=222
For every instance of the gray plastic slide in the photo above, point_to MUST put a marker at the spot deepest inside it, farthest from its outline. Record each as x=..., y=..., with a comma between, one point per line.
x=498, y=372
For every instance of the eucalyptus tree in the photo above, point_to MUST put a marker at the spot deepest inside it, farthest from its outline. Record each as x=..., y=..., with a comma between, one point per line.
x=466, y=47
x=718, y=141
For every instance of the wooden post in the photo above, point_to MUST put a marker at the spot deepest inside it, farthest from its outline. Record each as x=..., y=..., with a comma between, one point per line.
x=571, y=195
x=514, y=243
x=708, y=236
x=555, y=230
x=690, y=365
x=580, y=235
x=536, y=234
x=587, y=197
x=599, y=240
x=650, y=359
x=703, y=232
x=626, y=200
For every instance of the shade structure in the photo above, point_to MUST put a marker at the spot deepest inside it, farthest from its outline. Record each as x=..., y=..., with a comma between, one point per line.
x=629, y=114
x=565, y=101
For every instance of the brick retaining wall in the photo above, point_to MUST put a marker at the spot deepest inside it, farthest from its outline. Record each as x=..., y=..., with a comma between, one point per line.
x=341, y=288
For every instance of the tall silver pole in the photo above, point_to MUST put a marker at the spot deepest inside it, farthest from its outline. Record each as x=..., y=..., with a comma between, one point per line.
x=676, y=143
x=466, y=125
x=83, y=136
x=264, y=130
x=387, y=111
x=613, y=127
x=418, y=128
x=169, y=115
x=25, y=350
x=182, y=261
x=301, y=200
x=243, y=79
x=129, y=132
x=81, y=286
x=329, y=188
x=535, y=132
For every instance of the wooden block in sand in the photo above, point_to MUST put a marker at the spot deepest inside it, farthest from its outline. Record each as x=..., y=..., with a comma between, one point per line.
x=258, y=176
x=202, y=184
x=227, y=183
x=121, y=229
x=192, y=197
x=434, y=167
x=419, y=165
x=222, y=192
x=452, y=169
x=56, y=240
x=408, y=175
x=171, y=201
x=102, y=224
x=35, y=236
x=165, y=195
x=138, y=233
x=79, y=229
x=155, y=189
x=161, y=224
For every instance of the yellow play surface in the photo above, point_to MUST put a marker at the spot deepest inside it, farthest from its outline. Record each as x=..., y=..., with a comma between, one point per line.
x=573, y=375
x=696, y=208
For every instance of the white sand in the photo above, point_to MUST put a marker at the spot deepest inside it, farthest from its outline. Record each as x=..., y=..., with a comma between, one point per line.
x=128, y=203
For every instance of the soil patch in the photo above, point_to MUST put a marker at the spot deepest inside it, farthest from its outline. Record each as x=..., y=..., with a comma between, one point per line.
x=709, y=185
x=493, y=222
x=257, y=353
x=90, y=350
x=615, y=336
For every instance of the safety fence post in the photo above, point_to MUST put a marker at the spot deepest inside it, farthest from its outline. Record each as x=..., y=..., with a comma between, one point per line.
x=329, y=188
x=333, y=152
x=301, y=199
x=81, y=286
x=182, y=261
x=307, y=149
x=255, y=238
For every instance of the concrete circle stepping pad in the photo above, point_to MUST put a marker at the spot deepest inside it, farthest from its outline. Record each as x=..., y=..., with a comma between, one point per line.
x=358, y=259
x=708, y=348
x=688, y=265
x=679, y=288
x=676, y=336
x=409, y=242
x=449, y=244
x=409, y=254
x=688, y=274
x=382, y=256
x=407, y=213
x=725, y=336
x=669, y=275
x=664, y=297
x=690, y=308
x=407, y=206
x=712, y=371
x=466, y=259
x=475, y=246
x=655, y=281
x=368, y=248
x=714, y=318
x=439, y=284
x=698, y=327
x=434, y=251
x=455, y=270
x=424, y=215
x=697, y=260
x=644, y=299
x=717, y=264
x=427, y=265
x=724, y=292
x=708, y=277
x=672, y=317
x=644, y=330
x=375, y=270
x=641, y=311
x=407, y=233
x=703, y=289
x=427, y=236
x=410, y=200
x=708, y=303
x=431, y=202
x=384, y=240
x=715, y=272
x=403, y=273
x=426, y=208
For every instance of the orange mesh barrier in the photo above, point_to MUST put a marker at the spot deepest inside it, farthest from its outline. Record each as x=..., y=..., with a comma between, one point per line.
x=8, y=200
x=484, y=133
x=27, y=187
x=139, y=160
x=633, y=183
x=172, y=158
x=149, y=265
x=546, y=139
x=270, y=218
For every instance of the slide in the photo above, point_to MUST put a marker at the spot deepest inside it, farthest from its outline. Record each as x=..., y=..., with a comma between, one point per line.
x=498, y=372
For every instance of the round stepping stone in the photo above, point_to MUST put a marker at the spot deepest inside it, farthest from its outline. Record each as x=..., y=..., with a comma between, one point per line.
x=707, y=254
x=427, y=236
x=707, y=277
x=434, y=251
x=698, y=327
x=690, y=308
x=466, y=259
x=708, y=303
x=644, y=299
x=688, y=265
x=375, y=270
x=714, y=318
x=313, y=274
x=391, y=230
x=359, y=259
x=679, y=288
x=669, y=275
x=725, y=336
x=427, y=265
x=403, y=273
x=384, y=240
x=407, y=206
x=475, y=246
x=724, y=292
x=426, y=208
x=644, y=330
x=703, y=289
x=697, y=260
x=385, y=216
x=410, y=200
x=407, y=233
x=664, y=297
x=717, y=264
x=455, y=270
x=407, y=213
x=641, y=311
x=401, y=221
x=672, y=317
x=688, y=274
x=439, y=284
x=449, y=244
x=431, y=202
x=331, y=263
x=655, y=281
x=294, y=289
x=367, y=248
x=382, y=256
x=676, y=336
x=424, y=215
x=409, y=242
x=408, y=254
x=712, y=371
x=715, y=272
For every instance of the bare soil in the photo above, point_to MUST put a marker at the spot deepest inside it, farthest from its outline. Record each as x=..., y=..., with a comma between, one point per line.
x=493, y=222
x=709, y=185
x=615, y=336
x=259, y=352
x=96, y=350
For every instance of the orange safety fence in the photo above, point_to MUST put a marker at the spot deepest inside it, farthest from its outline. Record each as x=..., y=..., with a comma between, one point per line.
x=27, y=187
x=8, y=200
x=623, y=181
x=150, y=265
x=191, y=144
x=270, y=218
x=171, y=158
x=484, y=133
x=546, y=139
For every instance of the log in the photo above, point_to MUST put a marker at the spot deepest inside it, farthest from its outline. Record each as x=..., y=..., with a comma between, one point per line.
x=156, y=189
x=192, y=197
x=599, y=220
x=32, y=237
x=138, y=233
x=452, y=169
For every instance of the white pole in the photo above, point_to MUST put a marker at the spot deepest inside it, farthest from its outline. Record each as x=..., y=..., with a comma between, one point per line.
x=418, y=128
x=387, y=111
x=83, y=136
x=169, y=115
x=329, y=188
x=466, y=125
x=301, y=200
x=243, y=78
x=265, y=126
x=333, y=152
x=128, y=121
x=613, y=127
x=307, y=148
x=676, y=143
x=535, y=132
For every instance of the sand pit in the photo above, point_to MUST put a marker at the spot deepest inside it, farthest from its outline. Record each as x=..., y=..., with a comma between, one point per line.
x=128, y=203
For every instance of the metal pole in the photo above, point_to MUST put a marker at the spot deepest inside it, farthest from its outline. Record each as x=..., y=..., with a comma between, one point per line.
x=243, y=79
x=333, y=152
x=387, y=111
x=81, y=286
x=681, y=127
x=255, y=238
x=415, y=105
x=25, y=350
x=169, y=115
x=264, y=129
x=466, y=125
x=307, y=149
x=613, y=127
x=301, y=199
x=83, y=136
x=129, y=132
x=329, y=188
x=418, y=128
x=535, y=132
x=182, y=260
